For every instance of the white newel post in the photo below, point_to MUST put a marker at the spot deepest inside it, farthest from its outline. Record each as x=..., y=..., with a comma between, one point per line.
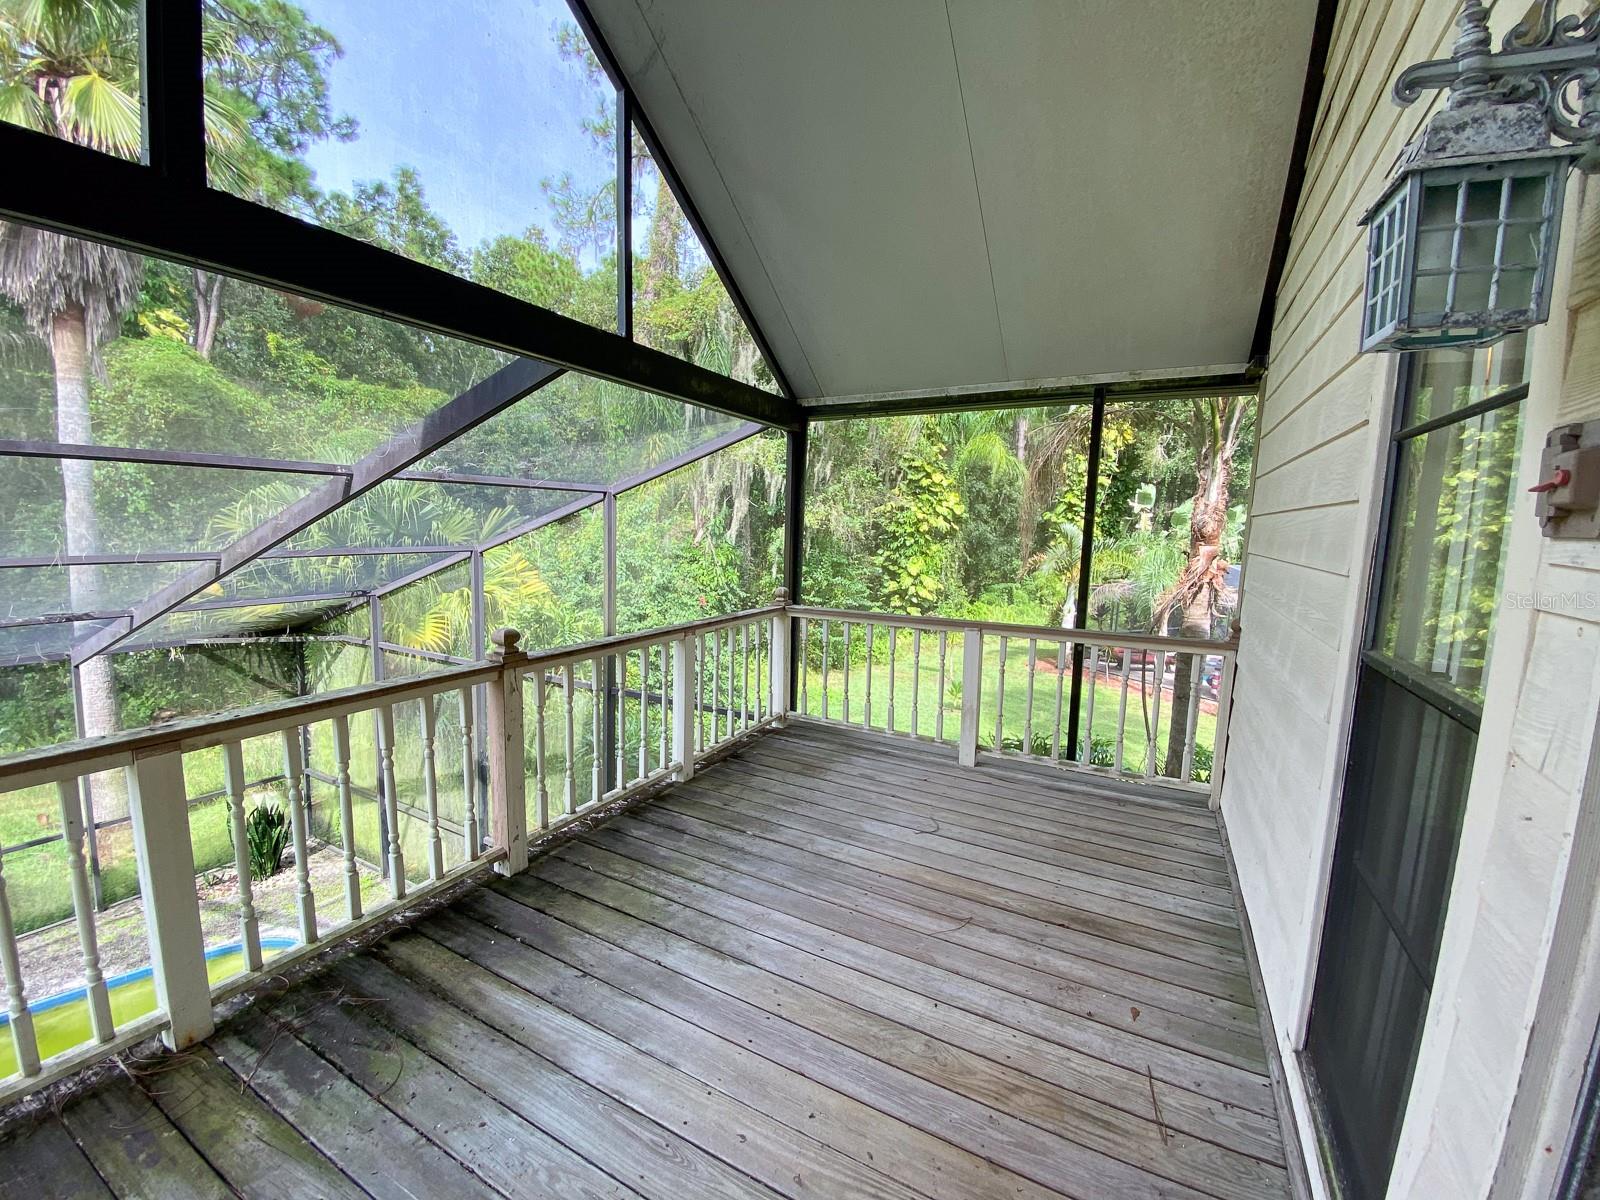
x=778, y=660
x=684, y=689
x=508, y=781
x=159, y=808
x=971, y=695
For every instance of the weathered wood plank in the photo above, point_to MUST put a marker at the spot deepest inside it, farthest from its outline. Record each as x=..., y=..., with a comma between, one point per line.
x=1086, y=933
x=1061, y=1140
x=1134, y=875
x=811, y=876
x=765, y=1149
x=511, y=1155
x=256, y=1151
x=44, y=1163
x=653, y=1161
x=386, y=1157
x=1074, y=797
x=600, y=905
x=135, y=1149
x=1015, y=827
x=745, y=900
x=1201, y=942
x=933, y=1167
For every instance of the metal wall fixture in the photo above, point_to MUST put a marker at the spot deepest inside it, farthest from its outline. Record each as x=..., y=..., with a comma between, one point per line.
x=1462, y=244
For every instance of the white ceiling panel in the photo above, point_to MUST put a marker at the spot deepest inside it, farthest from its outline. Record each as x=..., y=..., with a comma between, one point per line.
x=913, y=194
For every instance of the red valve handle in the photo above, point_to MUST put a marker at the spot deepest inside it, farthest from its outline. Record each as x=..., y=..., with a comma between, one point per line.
x=1560, y=479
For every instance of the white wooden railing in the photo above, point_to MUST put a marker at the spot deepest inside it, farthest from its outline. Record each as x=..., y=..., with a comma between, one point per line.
x=565, y=732
x=1000, y=690
x=675, y=696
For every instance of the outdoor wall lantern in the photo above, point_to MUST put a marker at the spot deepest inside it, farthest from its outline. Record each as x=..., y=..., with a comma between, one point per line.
x=1461, y=247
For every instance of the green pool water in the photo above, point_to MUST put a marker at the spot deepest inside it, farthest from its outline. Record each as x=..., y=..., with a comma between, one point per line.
x=62, y=1026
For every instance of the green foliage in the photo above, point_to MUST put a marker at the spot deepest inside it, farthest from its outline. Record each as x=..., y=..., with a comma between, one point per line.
x=919, y=525
x=266, y=830
x=1200, y=766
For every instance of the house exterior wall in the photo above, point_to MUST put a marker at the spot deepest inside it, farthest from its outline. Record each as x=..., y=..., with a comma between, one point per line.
x=1515, y=1001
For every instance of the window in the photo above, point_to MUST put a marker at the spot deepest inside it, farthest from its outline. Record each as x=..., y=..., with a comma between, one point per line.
x=475, y=137
x=72, y=71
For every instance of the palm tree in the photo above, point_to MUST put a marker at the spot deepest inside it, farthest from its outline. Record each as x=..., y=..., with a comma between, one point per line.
x=1201, y=590
x=71, y=69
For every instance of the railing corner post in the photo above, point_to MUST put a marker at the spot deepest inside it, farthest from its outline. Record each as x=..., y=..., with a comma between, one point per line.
x=778, y=660
x=158, y=808
x=508, y=780
x=971, y=695
x=1219, y=746
x=685, y=687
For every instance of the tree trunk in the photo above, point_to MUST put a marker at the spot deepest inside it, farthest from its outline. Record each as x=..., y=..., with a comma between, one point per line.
x=1208, y=521
x=208, y=311
x=69, y=348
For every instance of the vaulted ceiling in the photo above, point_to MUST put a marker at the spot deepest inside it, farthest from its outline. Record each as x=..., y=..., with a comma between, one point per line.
x=920, y=194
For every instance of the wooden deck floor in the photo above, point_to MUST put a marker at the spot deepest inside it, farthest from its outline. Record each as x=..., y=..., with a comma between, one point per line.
x=833, y=965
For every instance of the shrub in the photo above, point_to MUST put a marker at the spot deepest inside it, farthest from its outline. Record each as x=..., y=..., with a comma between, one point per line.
x=1102, y=752
x=267, y=831
x=1200, y=770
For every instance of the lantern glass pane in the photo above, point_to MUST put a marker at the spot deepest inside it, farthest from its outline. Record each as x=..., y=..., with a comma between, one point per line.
x=1527, y=198
x=1472, y=293
x=1477, y=247
x=1438, y=205
x=1434, y=248
x=1429, y=294
x=1516, y=290
x=1385, y=246
x=1521, y=247
x=1483, y=200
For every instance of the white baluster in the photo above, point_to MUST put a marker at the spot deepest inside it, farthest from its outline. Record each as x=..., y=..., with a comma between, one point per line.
x=872, y=646
x=1027, y=718
x=685, y=689
x=938, y=714
x=305, y=902
x=347, y=815
x=621, y=661
x=391, y=801
x=1088, y=714
x=780, y=658
x=23, y=1040
x=644, y=711
x=597, y=735
x=803, y=661
x=663, y=738
x=1061, y=678
x=845, y=656
x=430, y=789
x=541, y=762
x=826, y=638
x=1000, y=700
x=83, y=908
x=249, y=926
x=916, y=682
x=1196, y=674
x=469, y=776
x=570, y=781
x=1122, y=709
x=1219, y=746
x=744, y=678
x=716, y=690
x=893, y=632
x=1155, y=714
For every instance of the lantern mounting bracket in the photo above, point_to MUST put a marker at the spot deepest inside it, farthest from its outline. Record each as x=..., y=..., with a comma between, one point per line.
x=1547, y=61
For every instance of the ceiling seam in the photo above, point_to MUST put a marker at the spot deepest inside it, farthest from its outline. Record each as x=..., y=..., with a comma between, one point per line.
x=977, y=191
x=659, y=56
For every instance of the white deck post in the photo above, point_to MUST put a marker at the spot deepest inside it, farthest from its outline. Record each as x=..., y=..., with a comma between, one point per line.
x=1219, y=745
x=508, y=782
x=159, y=809
x=971, y=696
x=684, y=689
x=778, y=661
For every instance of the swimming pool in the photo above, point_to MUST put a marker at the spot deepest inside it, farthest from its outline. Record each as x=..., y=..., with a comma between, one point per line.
x=61, y=1022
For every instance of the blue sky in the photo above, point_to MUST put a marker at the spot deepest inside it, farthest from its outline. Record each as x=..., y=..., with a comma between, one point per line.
x=474, y=95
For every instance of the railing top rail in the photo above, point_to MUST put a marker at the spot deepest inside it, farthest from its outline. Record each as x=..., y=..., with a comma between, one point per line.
x=1092, y=637
x=88, y=756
